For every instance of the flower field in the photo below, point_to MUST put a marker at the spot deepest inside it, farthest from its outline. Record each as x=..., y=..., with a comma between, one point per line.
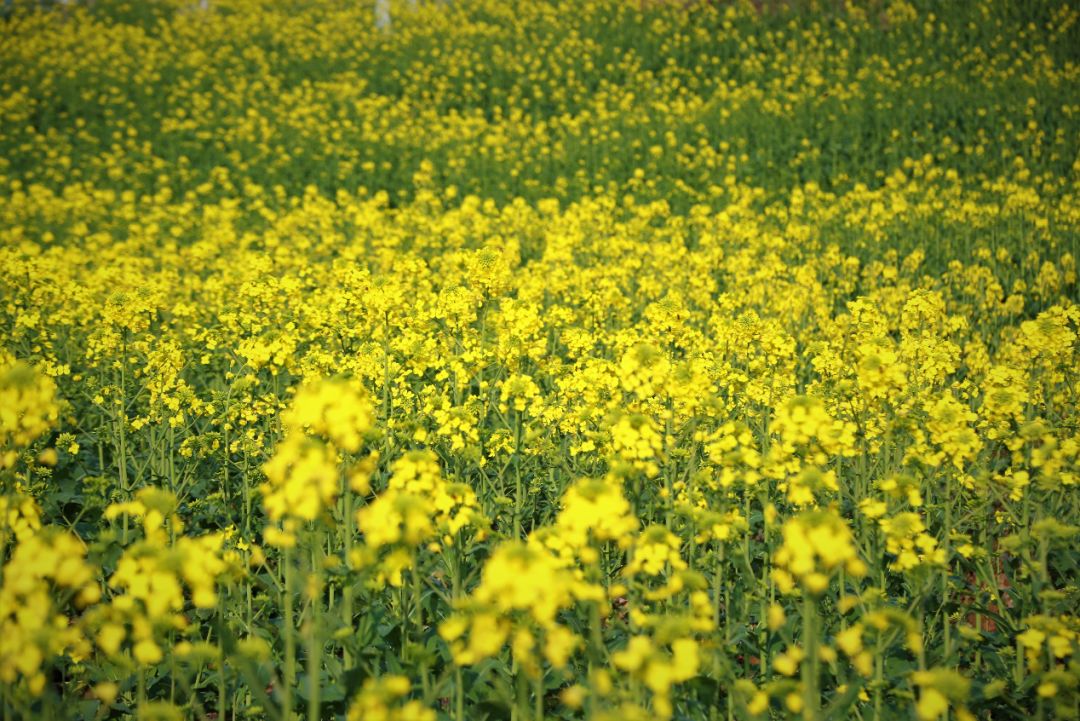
x=598, y=359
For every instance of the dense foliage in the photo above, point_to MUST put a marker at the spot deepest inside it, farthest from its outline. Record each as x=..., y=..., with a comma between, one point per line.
x=610, y=359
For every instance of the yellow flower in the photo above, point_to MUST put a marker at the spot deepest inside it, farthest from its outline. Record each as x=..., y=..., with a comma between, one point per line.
x=147, y=652
x=573, y=696
x=382, y=698
x=816, y=544
x=596, y=510
x=559, y=643
x=28, y=404
x=106, y=691
x=759, y=703
x=636, y=441
x=655, y=550
x=337, y=410
x=776, y=616
x=938, y=689
x=301, y=479
x=788, y=662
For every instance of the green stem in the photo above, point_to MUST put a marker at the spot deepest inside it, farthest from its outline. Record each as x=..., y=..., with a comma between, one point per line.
x=459, y=695
x=247, y=500
x=221, y=664
x=347, y=589
x=459, y=682
x=289, y=670
x=538, y=702
x=518, y=491
x=314, y=644
x=417, y=600
x=718, y=589
x=140, y=690
x=879, y=678
x=811, y=695
x=946, y=625
x=418, y=623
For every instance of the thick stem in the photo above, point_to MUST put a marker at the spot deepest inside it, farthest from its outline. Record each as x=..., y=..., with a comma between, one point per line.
x=346, y=542
x=538, y=701
x=314, y=644
x=459, y=682
x=140, y=689
x=811, y=695
x=221, y=664
x=459, y=695
x=417, y=600
x=879, y=679
x=289, y=670
x=518, y=491
x=946, y=625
